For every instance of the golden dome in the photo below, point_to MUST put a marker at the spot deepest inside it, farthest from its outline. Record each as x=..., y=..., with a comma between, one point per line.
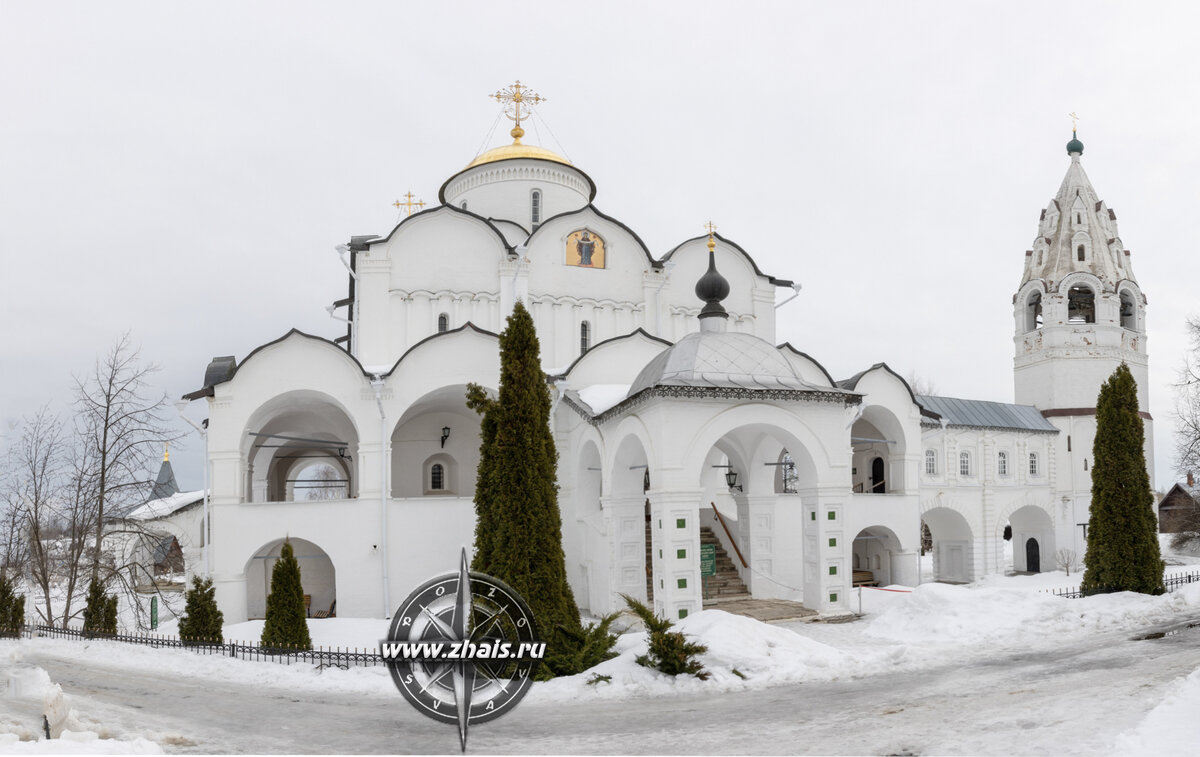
x=508, y=152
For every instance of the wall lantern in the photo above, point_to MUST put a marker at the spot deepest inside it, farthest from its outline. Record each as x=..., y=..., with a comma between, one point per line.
x=445, y=435
x=731, y=480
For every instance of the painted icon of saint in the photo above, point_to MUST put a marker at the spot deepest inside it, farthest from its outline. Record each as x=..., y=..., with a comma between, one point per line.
x=585, y=246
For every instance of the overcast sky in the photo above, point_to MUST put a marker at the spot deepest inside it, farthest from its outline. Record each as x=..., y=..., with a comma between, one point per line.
x=184, y=172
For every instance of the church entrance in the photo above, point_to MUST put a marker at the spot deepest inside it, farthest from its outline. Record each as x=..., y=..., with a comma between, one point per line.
x=1033, y=561
x=317, y=577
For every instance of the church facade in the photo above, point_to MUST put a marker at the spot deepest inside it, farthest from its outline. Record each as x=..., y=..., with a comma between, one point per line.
x=676, y=415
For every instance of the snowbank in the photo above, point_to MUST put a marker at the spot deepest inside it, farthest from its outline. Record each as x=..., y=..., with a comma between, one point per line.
x=1171, y=728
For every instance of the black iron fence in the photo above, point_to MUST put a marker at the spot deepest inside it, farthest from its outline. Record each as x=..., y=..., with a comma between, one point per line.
x=1170, y=583
x=322, y=657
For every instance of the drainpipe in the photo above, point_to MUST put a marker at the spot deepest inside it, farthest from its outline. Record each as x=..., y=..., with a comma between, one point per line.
x=377, y=385
x=795, y=294
x=341, y=251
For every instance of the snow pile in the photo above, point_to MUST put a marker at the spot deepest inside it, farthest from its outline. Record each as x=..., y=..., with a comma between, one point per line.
x=1171, y=728
x=601, y=397
x=940, y=613
x=77, y=742
x=347, y=633
x=761, y=654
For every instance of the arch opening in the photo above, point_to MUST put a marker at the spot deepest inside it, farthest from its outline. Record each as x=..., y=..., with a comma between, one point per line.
x=1032, y=523
x=1081, y=304
x=952, y=544
x=1033, y=312
x=436, y=430
x=290, y=440
x=877, y=549
x=317, y=576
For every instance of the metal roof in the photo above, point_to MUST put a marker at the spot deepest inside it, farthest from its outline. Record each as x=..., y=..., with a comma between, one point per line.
x=983, y=414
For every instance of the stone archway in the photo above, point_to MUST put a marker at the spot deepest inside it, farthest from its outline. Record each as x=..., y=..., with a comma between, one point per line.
x=877, y=549
x=953, y=545
x=1032, y=523
x=317, y=576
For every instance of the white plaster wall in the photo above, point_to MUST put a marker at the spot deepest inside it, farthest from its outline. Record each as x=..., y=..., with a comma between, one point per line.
x=502, y=189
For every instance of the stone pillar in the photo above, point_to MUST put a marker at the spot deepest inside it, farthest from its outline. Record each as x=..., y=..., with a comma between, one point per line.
x=827, y=550
x=756, y=523
x=906, y=569
x=675, y=532
x=625, y=523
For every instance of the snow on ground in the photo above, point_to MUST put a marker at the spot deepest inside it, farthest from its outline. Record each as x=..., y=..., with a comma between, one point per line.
x=1170, y=728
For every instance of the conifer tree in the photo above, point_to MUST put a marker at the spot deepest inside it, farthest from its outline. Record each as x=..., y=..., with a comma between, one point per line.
x=202, y=620
x=519, y=527
x=12, y=608
x=1122, y=539
x=100, y=613
x=286, y=626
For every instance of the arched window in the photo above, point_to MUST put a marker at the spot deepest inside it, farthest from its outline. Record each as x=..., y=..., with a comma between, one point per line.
x=443, y=323
x=464, y=205
x=1079, y=252
x=535, y=207
x=437, y=477
x=964, y=463
x=1033, y=312
x=930, y=462
x=585, y=337
x=1033, y=464
x=1002, y=464
x=1081, y=305
x=1128, y=311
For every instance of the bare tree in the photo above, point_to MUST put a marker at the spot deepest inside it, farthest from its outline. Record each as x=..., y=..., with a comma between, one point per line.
x=1187, y=405
x=920, y=384
x=121, y=425
x=1065, y=559
x=323, y=482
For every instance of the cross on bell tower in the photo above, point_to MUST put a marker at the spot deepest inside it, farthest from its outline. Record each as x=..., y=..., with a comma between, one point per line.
x=408, y=205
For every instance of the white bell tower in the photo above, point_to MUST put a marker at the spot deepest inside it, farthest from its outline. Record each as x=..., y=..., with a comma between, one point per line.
x=1079, y=313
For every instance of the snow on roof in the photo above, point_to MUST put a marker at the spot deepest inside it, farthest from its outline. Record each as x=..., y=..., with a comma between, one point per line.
x=159, y=508
x=601, y=397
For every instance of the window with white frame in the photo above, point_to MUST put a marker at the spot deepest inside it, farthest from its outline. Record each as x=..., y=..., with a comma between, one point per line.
x=535, y=207
x=1002, y=464
x=585, y=337
x=1033, y=464
x=930, y=462
x=437, y=477
x=443, y=323
x=964, y=463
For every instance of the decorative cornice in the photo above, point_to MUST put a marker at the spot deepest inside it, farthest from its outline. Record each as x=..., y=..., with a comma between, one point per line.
x=1068, y=412
x=672, y=391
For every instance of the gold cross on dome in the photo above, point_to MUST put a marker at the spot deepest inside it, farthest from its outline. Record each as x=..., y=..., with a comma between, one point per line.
x=513, y=98
x=711, y=228
x=1074, y=118
x=408, y=204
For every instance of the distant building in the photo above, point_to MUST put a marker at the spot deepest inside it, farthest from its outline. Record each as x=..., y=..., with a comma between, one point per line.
x=1179, y=509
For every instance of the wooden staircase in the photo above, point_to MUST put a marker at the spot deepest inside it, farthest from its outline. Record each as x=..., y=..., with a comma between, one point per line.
x=726, y=584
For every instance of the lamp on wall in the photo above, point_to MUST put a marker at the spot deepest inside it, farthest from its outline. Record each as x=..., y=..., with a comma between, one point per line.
x=445, y=435
x=731, y=480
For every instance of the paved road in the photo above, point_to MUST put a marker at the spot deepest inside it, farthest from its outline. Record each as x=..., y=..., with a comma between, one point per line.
x=1074, y=699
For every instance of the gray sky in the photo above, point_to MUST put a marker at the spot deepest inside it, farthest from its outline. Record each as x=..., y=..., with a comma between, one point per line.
x=185, y=171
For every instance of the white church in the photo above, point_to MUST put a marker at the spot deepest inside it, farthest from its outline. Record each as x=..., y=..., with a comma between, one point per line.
x=676, y=415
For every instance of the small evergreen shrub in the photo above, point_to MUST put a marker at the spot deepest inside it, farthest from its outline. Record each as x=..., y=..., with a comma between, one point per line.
x=12, y=608
x=202, y=621
x=669, y=651
x=581, y=649
x=286, y=626
x=100, y=613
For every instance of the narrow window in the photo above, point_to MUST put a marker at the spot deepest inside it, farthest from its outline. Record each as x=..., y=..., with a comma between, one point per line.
x=443, y=323
x=464, y=204
x=437, y=477
x=1068, y=442
x=1078, y=218
x=1033, y=464
x=930, y=462
x=535, y=207
x=1080, y=252
x=964, y=464
x=1002, y=464
x=585, y=337
x=1033, y=312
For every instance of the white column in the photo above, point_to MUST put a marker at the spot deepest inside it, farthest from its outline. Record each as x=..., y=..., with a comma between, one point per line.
x=625, y=521
x=675, y=531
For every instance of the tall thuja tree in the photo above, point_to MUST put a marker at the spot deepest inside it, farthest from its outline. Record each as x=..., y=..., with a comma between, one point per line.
x=286, y=624
x=1122, y=538
x=519, y=527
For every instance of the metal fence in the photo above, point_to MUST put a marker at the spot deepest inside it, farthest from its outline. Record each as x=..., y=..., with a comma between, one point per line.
x=322, y=657
x=1171, y=583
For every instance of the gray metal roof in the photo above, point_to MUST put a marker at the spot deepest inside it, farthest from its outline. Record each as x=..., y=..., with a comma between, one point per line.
x=983, y=414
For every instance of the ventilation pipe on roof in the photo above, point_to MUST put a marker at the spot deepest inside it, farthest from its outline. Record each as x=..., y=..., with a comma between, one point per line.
x=377, y=385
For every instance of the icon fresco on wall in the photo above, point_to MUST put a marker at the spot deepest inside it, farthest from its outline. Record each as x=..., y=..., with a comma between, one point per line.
x=585, y=249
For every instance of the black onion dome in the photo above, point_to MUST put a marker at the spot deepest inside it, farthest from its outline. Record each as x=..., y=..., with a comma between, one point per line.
x=712, y=288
